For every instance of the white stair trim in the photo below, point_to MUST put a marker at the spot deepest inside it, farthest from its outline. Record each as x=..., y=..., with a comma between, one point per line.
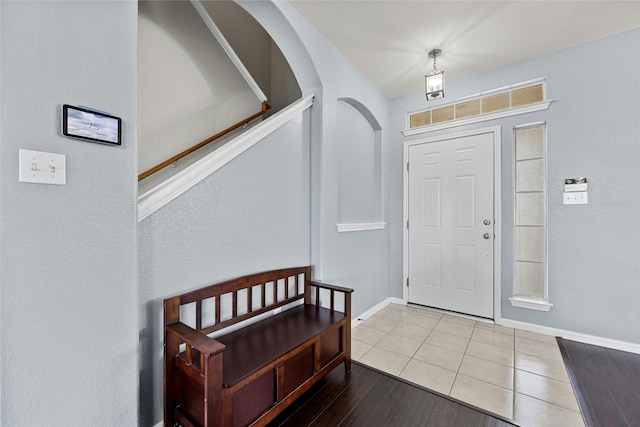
x=228, y=49
x=163, y=193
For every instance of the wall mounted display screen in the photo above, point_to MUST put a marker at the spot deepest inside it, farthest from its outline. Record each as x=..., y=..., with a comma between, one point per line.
x=91, y=125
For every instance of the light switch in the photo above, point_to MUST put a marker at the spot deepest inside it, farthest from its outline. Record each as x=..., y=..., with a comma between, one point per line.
x=42, y=168
x=575, y=198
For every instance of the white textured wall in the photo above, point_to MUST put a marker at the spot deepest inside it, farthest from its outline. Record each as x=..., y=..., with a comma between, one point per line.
x=68, y=275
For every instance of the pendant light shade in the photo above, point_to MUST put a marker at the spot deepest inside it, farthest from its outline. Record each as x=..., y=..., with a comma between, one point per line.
x=434, y=81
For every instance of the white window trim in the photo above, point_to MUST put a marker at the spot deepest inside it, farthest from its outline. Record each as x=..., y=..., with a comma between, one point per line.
x=362, y=226
x=530, y=303
x=539, y=106
x=522, y=301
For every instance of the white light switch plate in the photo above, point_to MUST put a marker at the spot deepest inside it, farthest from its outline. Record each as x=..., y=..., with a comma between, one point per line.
x=42, y=168
x=575, y=198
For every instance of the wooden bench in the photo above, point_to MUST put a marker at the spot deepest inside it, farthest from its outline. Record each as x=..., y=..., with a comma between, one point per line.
x=248, y=374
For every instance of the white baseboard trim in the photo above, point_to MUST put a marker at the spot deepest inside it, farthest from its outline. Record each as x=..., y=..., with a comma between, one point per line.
x=160, y=424
x=516, y=324
x=356, y=320
x=570, y=335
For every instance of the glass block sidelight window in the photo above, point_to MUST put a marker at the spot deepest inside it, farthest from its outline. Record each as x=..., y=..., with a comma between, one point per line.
x=530, y=272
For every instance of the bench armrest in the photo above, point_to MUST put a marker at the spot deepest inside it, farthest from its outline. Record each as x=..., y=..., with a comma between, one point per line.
x=331, y=287
x=205, y=345
x=308, y=297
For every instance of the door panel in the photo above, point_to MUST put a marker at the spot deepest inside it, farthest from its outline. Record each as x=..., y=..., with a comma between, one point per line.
x=450, y=197
x=431, y=191
x=464, y=278
x=431, y=259
x=464, y=199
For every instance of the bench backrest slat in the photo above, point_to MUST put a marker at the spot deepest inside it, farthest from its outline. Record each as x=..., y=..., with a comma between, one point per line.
x=275, y=290
x=234, y=304
x=223, y=303
x=198, y=315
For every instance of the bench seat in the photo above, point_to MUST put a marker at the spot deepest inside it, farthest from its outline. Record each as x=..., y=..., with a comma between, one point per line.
x=253, y=347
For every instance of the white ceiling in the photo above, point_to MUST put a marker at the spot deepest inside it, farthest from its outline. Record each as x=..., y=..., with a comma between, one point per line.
x=389, y=40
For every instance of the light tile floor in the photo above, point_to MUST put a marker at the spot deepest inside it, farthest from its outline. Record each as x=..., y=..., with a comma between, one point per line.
x=514, y=373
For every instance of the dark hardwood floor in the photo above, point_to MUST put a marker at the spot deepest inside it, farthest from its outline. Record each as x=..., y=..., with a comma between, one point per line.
x=606, y=382
x=368, y=397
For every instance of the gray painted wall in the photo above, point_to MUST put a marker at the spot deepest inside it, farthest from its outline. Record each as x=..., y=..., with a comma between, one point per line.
x=68, y=275
x=189, y=89
x=68, y=255
x=250, y=216
x=594, y=249
x=269, y=206
x=358, y=259
x=258, y=53
x=358, y=167
x=1, y=157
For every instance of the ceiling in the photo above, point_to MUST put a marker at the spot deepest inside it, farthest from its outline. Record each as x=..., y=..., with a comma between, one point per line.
x=389, y=40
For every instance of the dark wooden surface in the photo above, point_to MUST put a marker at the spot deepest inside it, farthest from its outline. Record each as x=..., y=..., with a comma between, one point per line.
x=268, y=364
x=606, y=382
x=254, y=346
x=368, y=397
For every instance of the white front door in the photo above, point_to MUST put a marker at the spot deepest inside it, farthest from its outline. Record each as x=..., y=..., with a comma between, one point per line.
x=451, y=222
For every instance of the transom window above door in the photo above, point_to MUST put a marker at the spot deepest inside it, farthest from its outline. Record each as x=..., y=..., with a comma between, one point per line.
x=512, y=100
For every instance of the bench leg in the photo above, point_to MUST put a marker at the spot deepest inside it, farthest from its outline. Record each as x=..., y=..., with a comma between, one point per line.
x=347, y=347
x=213, y=409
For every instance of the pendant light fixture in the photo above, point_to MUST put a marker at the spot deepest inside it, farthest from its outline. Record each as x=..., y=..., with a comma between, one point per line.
x=434, y=81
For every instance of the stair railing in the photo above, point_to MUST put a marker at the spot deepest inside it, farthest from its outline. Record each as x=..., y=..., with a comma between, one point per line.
x=199, y=145
x=245, y=73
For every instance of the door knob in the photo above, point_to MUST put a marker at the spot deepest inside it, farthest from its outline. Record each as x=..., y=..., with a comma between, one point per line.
x=487, y=222
x=486, y=236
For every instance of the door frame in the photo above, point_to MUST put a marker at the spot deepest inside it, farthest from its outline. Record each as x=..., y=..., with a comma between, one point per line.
x=497, y=198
